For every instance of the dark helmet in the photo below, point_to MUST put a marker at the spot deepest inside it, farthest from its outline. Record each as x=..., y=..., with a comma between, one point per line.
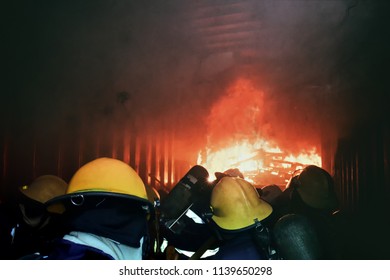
x=315, y=187
x=44, y=188
x=32, y=198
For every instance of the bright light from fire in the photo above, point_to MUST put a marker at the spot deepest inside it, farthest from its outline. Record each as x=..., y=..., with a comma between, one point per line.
x=261, y=166
x=238, y=141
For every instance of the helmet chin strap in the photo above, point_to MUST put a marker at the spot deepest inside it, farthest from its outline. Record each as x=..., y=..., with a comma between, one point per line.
x=262, y=239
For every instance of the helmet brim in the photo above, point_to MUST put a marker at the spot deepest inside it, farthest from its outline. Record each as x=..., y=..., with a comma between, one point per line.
x=261, y=212
x=63, y=203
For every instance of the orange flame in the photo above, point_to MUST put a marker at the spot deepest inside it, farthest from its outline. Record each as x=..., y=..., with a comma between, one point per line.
x=261, y=166
x=238, y=139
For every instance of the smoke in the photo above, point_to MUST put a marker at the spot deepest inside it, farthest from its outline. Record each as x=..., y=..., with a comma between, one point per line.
x=155, y=64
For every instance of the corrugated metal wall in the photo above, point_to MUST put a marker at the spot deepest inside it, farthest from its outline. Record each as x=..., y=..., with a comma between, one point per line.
x=362, y=170
x=62, y=152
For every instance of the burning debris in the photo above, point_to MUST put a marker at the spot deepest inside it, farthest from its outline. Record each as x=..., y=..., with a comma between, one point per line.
x=240, y=140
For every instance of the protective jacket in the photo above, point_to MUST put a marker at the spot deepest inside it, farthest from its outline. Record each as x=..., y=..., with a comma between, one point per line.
x=86, y=246
x=240, y=247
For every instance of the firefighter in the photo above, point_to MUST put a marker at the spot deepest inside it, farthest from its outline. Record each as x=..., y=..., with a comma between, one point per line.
x=310, y=193
x=239, y=215
x=105, y=211
x=183, y=228
x=313, y=187
x=35, y=227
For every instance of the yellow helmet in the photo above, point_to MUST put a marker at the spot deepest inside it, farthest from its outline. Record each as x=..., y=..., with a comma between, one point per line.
x=236, y=204
x=232, y=172
x=44, y=188
x=315, y=187
x=103, y=177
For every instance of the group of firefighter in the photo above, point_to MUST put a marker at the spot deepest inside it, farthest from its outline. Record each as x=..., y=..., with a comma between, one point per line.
x=106, y=211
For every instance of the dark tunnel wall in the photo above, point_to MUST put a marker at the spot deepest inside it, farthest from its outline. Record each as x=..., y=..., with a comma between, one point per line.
x=361, y=150
x=79, y=86
x=362, y=159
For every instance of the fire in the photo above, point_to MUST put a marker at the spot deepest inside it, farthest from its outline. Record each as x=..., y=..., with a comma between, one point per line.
x=238, y=139
x=259, y=163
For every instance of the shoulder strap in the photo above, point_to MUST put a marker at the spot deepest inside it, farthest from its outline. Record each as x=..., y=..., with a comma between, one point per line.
x=198, y=254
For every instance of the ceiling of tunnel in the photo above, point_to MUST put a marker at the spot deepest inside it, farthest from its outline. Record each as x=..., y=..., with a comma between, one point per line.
x=320, y=64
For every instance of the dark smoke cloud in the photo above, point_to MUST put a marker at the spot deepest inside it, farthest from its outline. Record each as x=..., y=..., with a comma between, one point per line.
x=144, y=62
